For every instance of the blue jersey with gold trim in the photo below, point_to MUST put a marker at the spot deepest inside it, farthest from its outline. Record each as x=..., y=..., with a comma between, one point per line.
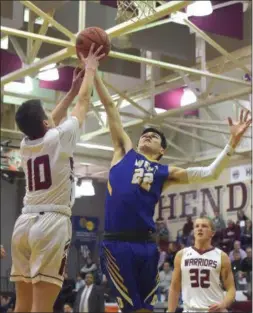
x=134, y=187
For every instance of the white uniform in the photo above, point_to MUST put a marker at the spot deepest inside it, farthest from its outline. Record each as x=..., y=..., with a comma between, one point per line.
x=43, y=231
x=201, y=284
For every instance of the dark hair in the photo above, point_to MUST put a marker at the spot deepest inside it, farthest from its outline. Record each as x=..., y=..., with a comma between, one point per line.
x=163, y=139
x=29, y=118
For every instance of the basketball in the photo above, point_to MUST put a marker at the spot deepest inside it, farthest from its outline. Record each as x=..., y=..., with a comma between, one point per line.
x=91, y=35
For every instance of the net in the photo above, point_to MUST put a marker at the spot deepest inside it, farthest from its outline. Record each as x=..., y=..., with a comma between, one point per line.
x=129, y=10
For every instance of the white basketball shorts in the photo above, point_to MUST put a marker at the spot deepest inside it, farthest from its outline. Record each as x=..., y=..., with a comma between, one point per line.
x=40, y=244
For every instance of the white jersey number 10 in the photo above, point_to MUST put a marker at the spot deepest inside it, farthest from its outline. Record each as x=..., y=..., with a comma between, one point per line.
x=39, y=173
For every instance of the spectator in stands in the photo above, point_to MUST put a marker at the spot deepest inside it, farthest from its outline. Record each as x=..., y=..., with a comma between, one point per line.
x=236, y=263
x=247, y=262
x=246, y=234
x=162, y=258
x=67, y=293
x=90, y=267
x=108, y=295
x=2, y=252
x=218, y=221
x=237, y=248
x=163, y=232
x=98, y=274
x=79, y=282
x=68, y=308
x=165, y=279
x=241, y=216
x=187, y=229
x=172, y=251
x=90, y=299
x=246, y=269
x=5, y=303
x=230, y=234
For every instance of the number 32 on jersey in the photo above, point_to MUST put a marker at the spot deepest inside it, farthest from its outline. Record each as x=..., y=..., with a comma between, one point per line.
x=143, y=179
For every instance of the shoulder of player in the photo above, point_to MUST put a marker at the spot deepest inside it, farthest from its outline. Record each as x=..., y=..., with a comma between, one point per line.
x=180, y=254
x=119, y=155
x=225, y=260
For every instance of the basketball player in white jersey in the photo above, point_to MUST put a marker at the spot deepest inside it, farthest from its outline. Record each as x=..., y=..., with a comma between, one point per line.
x=200, y=273
x=42, y=233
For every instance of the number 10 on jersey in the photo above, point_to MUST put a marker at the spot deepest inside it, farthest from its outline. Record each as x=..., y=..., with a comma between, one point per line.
x=39, y=173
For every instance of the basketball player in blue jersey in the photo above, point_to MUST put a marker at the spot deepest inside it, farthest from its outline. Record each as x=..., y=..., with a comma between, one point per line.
x=129, y=253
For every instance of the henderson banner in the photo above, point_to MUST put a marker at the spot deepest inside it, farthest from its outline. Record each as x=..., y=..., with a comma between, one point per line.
x=231, y=192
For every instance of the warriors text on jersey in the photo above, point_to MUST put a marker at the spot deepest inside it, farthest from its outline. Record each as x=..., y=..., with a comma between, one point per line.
x=48, y=167
x=201, y=284
x=134, y=187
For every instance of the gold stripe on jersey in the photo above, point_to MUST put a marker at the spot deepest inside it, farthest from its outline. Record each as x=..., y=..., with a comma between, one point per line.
x=153, y=291
x=116, y=279
x=109, y=187
x=157, y=278
x=123, y=294
x=108, y=253
x=115, y=269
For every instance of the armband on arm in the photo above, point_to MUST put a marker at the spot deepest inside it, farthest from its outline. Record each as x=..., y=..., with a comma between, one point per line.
x=213, y=171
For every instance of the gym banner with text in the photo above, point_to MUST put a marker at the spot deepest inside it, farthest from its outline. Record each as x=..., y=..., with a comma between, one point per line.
x=85, y=229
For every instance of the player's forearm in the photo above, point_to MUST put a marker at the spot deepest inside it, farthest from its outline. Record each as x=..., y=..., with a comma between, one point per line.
x=110, y=108
x=87, y=85
x=82, y=106
x=229, y=298
x=213, y=171
x=60, y=111
x=113, y=116
x=102, y=91
x=173, y=299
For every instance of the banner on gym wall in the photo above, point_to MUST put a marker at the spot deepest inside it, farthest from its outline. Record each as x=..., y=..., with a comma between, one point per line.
x=85, y=229
x=228, y=194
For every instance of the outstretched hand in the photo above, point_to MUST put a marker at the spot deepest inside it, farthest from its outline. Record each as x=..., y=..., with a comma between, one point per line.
x=237, y=129
x=93, y=58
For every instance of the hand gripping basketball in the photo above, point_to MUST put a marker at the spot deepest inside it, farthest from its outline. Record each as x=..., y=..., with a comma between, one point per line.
x=92, y=60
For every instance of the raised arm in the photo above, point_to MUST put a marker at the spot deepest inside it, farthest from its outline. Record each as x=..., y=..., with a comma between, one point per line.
x=60, y=111
x=227, y=279
x=91, y=63
x=121, y=142
x=175, y=286
x=213, y=171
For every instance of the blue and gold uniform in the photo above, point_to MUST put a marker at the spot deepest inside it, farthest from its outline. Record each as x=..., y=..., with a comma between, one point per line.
x=129, y=254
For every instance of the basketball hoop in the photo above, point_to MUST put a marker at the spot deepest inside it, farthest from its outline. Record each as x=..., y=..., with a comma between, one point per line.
x=131, y=10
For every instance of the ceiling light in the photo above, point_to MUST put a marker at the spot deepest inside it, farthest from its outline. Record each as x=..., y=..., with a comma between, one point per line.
x=188, y=97
x=159, y=110
x=88, y=188
x=49, y=75
x=48, y=67
x=94, y=146
x=85, y=189
x=25, y=87
x=39, y=20
x=199, y=8
x=5, y=43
